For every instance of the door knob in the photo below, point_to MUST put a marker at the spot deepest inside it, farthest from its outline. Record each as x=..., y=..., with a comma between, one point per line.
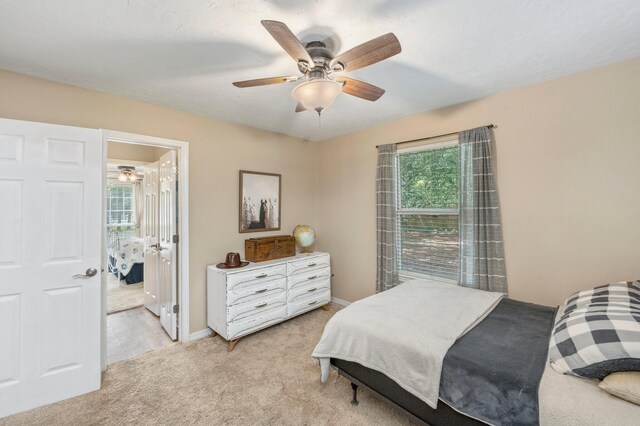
x=91, y=272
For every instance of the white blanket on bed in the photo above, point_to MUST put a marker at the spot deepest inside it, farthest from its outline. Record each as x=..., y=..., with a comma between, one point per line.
x=405, y=332
x=130, y=253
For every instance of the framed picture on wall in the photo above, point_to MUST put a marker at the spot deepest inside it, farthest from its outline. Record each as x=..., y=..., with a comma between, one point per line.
x=259, y=201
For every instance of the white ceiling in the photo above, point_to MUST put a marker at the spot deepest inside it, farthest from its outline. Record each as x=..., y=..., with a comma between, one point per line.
x=185, y=54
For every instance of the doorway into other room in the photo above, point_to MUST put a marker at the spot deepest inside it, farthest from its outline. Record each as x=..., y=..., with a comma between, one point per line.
x=142, y=285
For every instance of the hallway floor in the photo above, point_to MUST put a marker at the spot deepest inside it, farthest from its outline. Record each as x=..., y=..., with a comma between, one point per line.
x=133, y=332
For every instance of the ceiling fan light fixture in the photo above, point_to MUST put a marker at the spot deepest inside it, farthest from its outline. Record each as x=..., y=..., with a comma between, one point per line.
x=318, y=94
x=127, y=174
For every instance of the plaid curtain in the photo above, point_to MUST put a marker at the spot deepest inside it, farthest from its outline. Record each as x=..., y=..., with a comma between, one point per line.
x=386, y=196
x=481, y=250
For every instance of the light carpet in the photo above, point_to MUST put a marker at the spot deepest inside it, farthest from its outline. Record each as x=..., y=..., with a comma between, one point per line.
x=268, y=379
x=121, y=296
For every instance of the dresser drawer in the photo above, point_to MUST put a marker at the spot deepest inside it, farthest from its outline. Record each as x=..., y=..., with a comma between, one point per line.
x=255, y=277
x=308, y=303
x=262, y=289
x=256, y=307
x=304, y=265
x=308, y=289
x=267, y=316
x=306, y=277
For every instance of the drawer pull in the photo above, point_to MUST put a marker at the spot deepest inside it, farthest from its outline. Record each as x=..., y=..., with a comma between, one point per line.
x=312, y=289
x=311, y=264
x=262, y=290
x=312, y=303
x=313, y=277
x=261, y=305
x=262, y=276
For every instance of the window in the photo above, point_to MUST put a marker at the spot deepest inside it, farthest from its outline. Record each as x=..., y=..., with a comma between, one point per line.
x=120, y=210
x=428, y=236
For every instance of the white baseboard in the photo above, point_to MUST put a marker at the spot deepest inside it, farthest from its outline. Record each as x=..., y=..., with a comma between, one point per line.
x=340, y=301
x=200, y=334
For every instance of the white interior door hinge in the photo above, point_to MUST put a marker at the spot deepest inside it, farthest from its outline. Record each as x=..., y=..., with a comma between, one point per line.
x=176, y=309
x=176, y=239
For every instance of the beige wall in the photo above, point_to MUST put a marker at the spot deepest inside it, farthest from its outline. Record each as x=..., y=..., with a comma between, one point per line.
x=568, y=155
x=132, y=152
x=218, y=150
x=568, y=177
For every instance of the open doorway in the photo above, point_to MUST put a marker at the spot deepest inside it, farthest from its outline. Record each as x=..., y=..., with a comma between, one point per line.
x=145, y=280
x=132, y=212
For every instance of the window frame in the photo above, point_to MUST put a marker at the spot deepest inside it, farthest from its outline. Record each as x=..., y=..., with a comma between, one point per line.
x=121, y=228
x=403, y=273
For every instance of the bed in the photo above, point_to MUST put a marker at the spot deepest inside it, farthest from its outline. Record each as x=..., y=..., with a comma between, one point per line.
x=496, y=372
x=126, y=259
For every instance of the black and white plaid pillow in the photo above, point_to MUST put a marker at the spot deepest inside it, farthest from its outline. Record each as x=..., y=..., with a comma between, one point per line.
x=597, y=332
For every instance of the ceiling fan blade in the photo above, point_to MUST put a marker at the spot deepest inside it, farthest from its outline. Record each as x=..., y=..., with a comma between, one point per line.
x=264, y=81
x=360, y=89
x=300, y=107
x=289, y=42
x=368, y=53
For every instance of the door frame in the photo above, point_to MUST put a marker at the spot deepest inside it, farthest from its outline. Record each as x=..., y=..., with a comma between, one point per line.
x=182, y=149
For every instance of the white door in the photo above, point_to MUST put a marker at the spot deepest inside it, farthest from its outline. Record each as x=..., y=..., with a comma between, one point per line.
x=50, y=259
x=167, y=271
x=150, y=228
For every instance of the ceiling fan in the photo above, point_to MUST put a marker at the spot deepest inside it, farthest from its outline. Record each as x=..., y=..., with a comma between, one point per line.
x=317, y=65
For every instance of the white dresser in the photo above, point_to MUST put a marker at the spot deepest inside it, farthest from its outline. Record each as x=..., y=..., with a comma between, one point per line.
x=244, y=300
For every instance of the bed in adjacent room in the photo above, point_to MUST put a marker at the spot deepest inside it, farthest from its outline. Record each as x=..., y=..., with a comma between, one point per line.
x=125, y=281
x=126, y=260
x=452, y=355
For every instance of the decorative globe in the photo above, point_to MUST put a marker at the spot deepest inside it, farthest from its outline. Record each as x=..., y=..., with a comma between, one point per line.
x=305, y=237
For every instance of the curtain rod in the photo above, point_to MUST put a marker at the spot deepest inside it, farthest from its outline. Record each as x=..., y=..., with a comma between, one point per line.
x=490, y=126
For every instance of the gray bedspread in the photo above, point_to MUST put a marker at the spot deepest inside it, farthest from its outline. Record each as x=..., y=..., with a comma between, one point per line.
x=493, y=372
x=405, y=332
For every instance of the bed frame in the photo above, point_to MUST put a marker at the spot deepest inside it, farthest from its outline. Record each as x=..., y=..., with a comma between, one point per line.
x=388, y=390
